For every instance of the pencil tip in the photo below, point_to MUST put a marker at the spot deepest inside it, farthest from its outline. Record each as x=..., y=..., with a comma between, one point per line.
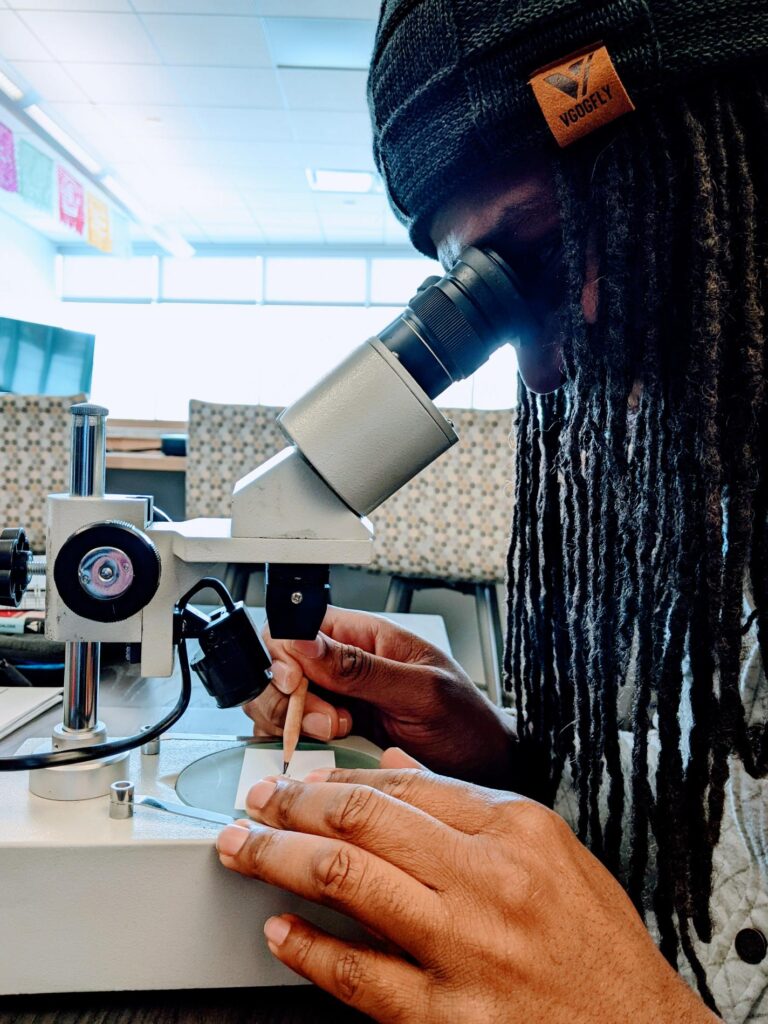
x=285, y=767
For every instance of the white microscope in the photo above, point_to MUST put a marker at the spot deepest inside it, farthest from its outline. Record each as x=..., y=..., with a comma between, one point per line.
x=102, y=894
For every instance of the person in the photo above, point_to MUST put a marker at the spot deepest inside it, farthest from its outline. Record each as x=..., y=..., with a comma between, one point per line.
x=599, y=854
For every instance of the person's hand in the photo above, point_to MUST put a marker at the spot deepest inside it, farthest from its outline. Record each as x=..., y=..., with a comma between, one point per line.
x=488, y=907
x=393, y=688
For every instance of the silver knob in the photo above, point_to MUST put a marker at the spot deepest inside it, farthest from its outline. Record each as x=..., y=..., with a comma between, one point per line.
x=121, y=799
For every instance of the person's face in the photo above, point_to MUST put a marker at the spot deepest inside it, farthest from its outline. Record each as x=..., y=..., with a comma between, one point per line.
x=518, y=217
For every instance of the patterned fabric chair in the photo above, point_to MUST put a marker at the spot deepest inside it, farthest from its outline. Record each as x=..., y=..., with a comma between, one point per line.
x=447, y=527
x=450, y=526
x=34, y=458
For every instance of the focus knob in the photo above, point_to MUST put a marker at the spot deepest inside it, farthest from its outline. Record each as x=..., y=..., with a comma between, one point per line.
x=14, y=566
x=107, y=572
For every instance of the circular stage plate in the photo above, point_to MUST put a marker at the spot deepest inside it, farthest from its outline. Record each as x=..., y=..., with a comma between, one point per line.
x=211, y=781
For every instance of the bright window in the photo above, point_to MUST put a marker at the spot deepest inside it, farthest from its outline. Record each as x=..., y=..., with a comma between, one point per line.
x=395, y=281
x=107, y=277
x=315, y=280
x=211, y=279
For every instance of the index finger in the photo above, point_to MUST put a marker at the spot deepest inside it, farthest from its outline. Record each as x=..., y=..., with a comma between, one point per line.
x=467, y=808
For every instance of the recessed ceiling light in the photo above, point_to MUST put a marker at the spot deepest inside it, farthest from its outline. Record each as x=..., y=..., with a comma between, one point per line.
x=340, y=181
x=63, y=138
x=11, y=90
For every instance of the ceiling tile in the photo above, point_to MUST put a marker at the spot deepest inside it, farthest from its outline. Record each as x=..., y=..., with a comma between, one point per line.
x=84, y=120
x=124, y=83
x=50, y=81
x=17, y=42
x=151, y=121
x=320, y=155
x=227, y=87
x=332, y=126
x=105, y=38
x=320, y=42
x=242, y=123
x=269, y=179
x=193, y=6
x=368, y=9
x=71, y=5
x=235, y=232
x=324, y=90
x=211, y=40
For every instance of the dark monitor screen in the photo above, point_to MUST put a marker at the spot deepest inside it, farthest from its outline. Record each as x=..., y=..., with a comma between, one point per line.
x=36, y=359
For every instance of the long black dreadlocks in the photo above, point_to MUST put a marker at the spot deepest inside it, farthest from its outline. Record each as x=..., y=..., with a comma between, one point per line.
x=636, y=531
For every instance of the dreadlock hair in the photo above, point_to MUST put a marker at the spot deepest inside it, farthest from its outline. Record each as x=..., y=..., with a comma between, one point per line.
x=636, y=532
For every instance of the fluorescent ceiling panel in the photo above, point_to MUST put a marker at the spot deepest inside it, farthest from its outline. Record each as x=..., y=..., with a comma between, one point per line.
x=320, y=42
x=189, y=39
x=72, y=146
x=10, y=88
x=106, y=38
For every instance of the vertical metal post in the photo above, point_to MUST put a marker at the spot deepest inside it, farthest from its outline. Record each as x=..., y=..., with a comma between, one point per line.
x=87, y=478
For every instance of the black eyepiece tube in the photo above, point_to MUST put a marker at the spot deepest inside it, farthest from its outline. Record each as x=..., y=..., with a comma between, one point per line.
x=454, y=323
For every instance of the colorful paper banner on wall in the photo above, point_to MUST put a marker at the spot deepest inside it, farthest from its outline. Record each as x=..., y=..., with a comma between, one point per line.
x=98, y=223
x=71, y=201
x=35, y=176
x=8, y=177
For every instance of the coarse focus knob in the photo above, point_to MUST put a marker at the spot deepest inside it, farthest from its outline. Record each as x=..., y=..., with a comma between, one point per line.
x=14, y=566
x=107, y=572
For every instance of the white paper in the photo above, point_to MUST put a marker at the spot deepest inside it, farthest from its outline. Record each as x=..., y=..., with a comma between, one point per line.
x=257, y=763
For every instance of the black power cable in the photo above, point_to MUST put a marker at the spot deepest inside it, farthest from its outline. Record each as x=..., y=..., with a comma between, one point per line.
x=57, y=758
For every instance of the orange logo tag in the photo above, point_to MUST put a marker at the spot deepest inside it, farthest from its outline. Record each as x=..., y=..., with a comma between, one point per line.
x=580, y=93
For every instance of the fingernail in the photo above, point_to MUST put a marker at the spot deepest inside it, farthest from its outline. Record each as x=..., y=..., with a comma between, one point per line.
x=309, y=648
x=259, y=794
x=317, y=724
x=276, y=930
x=318, y=775
x=280, y=675
x=345, y=724
x=230, y=841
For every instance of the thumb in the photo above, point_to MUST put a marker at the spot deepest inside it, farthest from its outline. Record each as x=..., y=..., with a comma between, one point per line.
x=394, y=757
x=347, y=669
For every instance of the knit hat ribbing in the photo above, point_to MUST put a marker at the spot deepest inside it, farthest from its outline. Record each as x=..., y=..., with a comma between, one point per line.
x=448, y=85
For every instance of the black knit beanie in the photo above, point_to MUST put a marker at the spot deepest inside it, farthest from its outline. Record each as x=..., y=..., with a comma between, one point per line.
x=449, y=88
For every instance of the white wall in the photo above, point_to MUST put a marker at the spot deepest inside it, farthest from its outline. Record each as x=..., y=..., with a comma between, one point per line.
x=27, y=273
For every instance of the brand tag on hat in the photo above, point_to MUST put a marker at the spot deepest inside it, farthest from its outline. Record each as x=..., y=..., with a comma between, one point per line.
x=580, y=93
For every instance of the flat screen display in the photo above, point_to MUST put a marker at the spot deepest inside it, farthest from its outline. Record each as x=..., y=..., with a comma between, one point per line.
x=36, y=359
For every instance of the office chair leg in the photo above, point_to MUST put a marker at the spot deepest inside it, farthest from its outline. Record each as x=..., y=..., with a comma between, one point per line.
x=399, y=595
x=236, y=580
x=489, y=628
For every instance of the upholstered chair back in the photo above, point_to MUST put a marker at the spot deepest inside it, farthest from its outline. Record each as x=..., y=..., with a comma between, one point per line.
x=225, y=442
x=451, y=522
x=34, y=459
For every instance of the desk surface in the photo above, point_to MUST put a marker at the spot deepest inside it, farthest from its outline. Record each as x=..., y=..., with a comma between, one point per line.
x=126, y=702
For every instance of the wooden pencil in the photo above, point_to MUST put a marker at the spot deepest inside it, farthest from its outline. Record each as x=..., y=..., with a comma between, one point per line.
x=293, y=718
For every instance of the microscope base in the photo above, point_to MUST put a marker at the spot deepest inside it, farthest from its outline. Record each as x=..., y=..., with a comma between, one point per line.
x=91, y=904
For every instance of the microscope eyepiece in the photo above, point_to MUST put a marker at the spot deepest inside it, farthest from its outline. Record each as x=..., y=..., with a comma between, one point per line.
x=454, y=323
